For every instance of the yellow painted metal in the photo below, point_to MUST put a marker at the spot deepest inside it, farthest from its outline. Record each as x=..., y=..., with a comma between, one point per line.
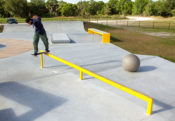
x=148, y=99
x=41, y=60
x=105, y=36
x=150, y=105
x=81, y=75
x=90, y=31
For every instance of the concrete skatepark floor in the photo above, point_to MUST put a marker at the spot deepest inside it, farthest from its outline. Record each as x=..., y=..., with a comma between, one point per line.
x=56, y=92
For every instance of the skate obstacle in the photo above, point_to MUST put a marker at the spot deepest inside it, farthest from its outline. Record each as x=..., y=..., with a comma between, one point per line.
x=148, y=99
x=105, y=35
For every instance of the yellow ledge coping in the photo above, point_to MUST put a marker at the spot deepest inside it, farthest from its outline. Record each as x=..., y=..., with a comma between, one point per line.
x=105, y=35
x=148, y=99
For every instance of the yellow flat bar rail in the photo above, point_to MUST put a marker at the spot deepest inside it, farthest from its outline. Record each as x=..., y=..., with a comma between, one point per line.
x=105, y=36
x=148, y=99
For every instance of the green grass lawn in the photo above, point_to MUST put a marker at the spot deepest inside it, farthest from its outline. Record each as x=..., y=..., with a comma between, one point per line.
x=139, y=43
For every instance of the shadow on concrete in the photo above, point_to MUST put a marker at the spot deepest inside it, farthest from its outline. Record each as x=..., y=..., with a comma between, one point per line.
x=39, y=101
x=146, y=68
x=59, y=66
x=164, y=107
x=8, y=115
x=2, y=46
x=105, y=62
x=148, y=58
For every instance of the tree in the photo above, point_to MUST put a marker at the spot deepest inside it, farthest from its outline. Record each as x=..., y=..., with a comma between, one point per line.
x=173, y=12
x=171, y=4
x=38, y=2
x=37, y=7
x=96, y=8
x=114, y=6
x=52, y=6
x=150, y=9
x=107, y=9
x=69, y=9
x=16, y=7
x=3, y=13
x=83, y=8
x=100, y=7
x=139, y=6
x=125, y=7
x=162, y=9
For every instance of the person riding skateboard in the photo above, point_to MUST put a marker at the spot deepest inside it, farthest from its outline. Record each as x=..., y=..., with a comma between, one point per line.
x=39, y=33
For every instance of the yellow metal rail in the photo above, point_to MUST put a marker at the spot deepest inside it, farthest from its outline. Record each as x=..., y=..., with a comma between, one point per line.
x=148, y=99
x=105, y=35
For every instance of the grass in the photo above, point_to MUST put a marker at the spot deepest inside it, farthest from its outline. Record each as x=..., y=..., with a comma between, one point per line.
x=156, y=24
x=154, y=30
x=139, y=43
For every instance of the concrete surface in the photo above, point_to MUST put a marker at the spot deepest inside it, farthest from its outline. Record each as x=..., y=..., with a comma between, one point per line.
x=73, y=29
x=59, y=38
x=56, y=93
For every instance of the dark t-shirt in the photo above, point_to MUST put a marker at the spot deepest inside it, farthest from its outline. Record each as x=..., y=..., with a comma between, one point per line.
x=39, y=28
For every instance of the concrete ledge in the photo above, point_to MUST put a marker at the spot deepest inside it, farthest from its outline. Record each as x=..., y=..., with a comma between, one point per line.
x=105, y=35
x=60, y=38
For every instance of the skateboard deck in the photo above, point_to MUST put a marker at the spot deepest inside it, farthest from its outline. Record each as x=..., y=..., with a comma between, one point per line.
x=40, y=53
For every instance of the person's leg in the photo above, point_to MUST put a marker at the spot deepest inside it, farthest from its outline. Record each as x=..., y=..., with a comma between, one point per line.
x=45, y=40
x=35, y=42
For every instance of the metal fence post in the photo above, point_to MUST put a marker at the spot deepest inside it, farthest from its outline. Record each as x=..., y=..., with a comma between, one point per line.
x=169, y=26
x=153, y=25
x=127, y=23
x=139, y=24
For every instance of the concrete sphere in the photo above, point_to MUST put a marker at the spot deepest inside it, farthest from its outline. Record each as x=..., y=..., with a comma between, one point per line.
x=131, y=63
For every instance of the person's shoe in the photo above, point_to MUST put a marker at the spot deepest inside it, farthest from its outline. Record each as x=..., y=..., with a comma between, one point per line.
x=35, y=54
x=47, y=50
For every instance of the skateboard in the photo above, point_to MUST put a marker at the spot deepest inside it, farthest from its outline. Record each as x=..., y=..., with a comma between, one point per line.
x=40, y=53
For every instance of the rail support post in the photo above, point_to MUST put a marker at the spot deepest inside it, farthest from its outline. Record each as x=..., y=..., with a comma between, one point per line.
x=150, y=105
x=81, y=75
x=41, y=61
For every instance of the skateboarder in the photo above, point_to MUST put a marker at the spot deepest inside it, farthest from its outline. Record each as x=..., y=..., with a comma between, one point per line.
x=39, y=33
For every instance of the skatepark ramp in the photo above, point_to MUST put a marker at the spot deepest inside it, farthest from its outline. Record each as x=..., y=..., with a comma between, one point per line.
x=148, y=99
x=64, y=26
x=57, y=32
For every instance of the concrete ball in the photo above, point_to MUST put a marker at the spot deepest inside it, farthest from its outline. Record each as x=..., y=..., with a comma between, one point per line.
x=131, y=63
